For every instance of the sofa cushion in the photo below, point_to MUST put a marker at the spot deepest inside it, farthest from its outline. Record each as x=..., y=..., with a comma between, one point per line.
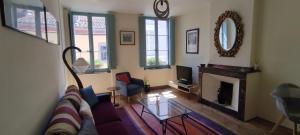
x=124, y=78
x=89, y=95
x=65, y=120
x=88, y=127
x=85, y=111
x=112, y=128
x=72, y=88
x=74, y=98
x=104, y=112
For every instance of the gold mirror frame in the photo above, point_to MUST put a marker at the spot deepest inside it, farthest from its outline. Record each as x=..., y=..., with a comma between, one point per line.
x=239, y=34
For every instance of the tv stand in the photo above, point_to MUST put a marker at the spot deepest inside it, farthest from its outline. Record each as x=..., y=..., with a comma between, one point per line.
x=192, y=88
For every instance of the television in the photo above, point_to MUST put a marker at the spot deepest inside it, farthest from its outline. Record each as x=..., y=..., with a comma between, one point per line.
x=184, y=74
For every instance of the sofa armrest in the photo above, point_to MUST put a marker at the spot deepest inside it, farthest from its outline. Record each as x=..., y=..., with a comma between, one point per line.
x=104, y=97
x=137, y=81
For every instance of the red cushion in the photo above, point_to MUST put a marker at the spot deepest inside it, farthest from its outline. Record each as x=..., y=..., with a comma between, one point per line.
x=124, y=78
x=112, y=128
x=105, y=112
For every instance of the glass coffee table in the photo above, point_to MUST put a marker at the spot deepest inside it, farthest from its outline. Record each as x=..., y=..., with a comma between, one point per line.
x=164, y=109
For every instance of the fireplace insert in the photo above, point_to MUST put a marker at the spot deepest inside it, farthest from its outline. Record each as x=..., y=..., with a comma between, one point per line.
x=225, y=93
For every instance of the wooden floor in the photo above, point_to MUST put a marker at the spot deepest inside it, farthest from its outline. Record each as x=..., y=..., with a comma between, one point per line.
x=256, y=126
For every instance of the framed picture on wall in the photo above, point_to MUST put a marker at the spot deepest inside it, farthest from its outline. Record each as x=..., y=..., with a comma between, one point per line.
x=192, y=41
x=127, y=38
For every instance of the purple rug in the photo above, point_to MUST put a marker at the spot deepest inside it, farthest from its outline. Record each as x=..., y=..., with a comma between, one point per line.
x=150, y=126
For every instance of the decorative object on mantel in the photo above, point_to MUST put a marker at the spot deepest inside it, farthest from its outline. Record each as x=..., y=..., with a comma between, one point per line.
x=192, y=41
x=127, y=38
x=256, y=66
x=161, y=9
x=80, y=65
x=229, y=34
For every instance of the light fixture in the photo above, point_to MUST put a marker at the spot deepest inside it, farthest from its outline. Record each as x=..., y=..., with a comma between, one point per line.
x=161, y=8
x=80, y=65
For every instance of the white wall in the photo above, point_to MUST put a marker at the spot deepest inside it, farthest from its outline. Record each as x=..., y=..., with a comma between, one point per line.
x=271, y=39
x=278, y=46
x=32, y=78
x=199, y=19
x=127, y=59
x=245, y=9
x=205, y=19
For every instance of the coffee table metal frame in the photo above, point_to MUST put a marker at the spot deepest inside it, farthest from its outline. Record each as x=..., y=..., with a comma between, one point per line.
x=164, y=122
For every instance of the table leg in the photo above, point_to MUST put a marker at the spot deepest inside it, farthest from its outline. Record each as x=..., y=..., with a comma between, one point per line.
x=114, y=94
x=142, y=111
x=183, y=124
x=164, y=126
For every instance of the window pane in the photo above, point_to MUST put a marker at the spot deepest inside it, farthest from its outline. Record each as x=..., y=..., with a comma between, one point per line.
x=100, y=43
x=162, y=27
x=81, y=37
x=163, y=43
x=24, y=16
x=52, y=28
x=150, y=27
x=163, y=57
x=26, y=21
x=43, y=27
x=150, y=58
x=150, y=43
x=162, y=39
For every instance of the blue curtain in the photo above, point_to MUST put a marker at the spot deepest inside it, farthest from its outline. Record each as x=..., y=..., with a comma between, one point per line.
x=111, y=41
x=172, y=41
x=142, y=37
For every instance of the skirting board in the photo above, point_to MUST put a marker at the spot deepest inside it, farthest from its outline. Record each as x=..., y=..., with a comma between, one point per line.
x=159, y=87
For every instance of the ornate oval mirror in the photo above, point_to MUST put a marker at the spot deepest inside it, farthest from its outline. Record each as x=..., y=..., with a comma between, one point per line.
x=228, y=34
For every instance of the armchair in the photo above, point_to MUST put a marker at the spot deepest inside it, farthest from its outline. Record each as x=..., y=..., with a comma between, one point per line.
x=129, y=86
x=287, y=97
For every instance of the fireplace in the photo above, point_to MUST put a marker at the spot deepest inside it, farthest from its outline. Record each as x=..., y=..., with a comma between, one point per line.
x=229, y=89
x=225, y=93
x=221, y=90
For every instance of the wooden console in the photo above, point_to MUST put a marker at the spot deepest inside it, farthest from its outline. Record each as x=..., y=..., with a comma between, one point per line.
x=193, y=89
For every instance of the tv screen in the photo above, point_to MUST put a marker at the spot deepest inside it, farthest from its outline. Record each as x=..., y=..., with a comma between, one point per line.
x=184, y=74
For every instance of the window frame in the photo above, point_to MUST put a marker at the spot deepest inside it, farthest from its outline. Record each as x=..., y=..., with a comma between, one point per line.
x=38, y=21
x=157, y=65
x=89, y=16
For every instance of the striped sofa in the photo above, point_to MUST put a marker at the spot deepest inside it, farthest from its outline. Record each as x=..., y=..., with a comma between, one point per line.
x=66, y=119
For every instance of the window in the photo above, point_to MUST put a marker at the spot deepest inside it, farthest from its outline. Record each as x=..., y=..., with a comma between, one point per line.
x=52, y=29
x=29, y=18
x=89, y=34
x=157, y=43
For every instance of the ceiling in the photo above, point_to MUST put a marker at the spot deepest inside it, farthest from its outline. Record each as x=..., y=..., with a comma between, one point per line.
x=177, y=7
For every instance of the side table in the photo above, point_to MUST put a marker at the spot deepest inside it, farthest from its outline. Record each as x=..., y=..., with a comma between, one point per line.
x=113, y=90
